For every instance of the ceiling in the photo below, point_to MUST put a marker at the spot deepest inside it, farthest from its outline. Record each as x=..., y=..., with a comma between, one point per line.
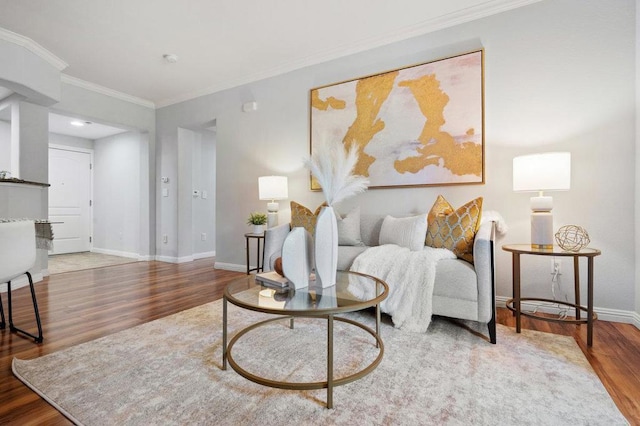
x=62, y=125
x=119, y=44
x=5, y=93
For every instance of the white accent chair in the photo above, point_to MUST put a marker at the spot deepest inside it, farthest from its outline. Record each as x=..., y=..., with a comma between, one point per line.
x=17, y=256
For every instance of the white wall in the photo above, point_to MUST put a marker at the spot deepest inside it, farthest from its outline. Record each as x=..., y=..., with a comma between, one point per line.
x=637, y=192
x=116, y=194
x=196, y=216
x=5, y=145
x=204, y=180
x=559, y=76
x=28, y=74
x=70, y=141
x=30, y=128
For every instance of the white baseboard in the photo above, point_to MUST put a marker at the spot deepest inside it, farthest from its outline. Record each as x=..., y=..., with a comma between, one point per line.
x=184, y=259
x=116, y=253
x=173, y=259
x=604, y=314
x=204, y=255
x=230, y=267
x=22, y=281
x=636, y=320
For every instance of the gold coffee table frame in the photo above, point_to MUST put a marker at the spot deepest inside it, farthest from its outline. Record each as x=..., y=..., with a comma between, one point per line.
x=243, y=293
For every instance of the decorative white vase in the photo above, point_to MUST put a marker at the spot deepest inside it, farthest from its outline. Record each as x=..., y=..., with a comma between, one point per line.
x=258, y=229
x=297, y=255
x=326, y=247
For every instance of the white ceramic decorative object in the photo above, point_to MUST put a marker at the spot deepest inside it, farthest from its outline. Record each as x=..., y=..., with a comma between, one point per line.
x=258, y=229
x=297, y=253
x=326, y=247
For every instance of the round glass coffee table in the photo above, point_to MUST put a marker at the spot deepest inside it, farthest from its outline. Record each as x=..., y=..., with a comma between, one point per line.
x=352, y=292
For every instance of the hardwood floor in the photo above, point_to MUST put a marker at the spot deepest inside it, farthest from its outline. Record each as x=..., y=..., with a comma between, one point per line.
x=77, y=307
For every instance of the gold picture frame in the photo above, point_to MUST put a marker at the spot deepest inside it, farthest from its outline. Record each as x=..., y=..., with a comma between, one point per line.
x=421, y=125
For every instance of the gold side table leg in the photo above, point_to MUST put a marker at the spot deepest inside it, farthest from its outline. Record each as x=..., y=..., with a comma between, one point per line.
x=576, y=279
x=247, y=250
x=258, y=269
x=330, y=361
x=590, y=301
x=224, y=333
x=516, y=289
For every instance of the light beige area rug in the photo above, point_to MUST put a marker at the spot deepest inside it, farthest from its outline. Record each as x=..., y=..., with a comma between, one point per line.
x=167, y=372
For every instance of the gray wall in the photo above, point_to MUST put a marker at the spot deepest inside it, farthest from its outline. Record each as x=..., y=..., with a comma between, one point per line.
x=116, y=194
x=5, y=145
x=28, y=74
x=70, y=141
x=637, y=176
x=30, y=126
x=559, y=76
x=196, y=215
x=204, y=180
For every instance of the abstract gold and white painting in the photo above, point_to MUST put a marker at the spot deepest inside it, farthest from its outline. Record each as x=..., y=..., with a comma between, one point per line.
x=417, y=126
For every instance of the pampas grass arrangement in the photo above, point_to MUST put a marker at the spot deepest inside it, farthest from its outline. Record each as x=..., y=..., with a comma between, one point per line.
x=333, y=165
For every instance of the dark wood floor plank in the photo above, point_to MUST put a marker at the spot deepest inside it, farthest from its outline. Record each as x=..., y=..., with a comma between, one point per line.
x=78, y=307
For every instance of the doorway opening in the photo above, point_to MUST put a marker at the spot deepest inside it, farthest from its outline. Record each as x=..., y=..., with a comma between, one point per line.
x=95, y=195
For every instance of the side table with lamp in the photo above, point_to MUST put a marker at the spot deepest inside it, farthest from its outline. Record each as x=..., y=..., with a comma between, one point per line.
x=273, y=188
x=548, y=172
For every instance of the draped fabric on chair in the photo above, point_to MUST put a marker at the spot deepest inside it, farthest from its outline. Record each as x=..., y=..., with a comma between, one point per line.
x=17, y=256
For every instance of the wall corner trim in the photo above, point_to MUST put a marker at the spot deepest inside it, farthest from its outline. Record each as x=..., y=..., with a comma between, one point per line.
x=33, y=47
x=74, y=81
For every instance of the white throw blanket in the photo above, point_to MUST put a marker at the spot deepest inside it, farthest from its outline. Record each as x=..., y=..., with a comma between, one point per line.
x=410, y=276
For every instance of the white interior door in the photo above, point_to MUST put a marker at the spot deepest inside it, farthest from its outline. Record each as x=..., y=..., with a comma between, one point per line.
x=70, y=200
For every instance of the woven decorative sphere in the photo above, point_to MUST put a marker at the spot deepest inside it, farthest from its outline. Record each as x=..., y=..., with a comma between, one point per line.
x=572, y=237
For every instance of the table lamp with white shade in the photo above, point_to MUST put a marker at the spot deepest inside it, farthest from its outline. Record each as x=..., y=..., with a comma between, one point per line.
x=549, y=171
x=273, y=188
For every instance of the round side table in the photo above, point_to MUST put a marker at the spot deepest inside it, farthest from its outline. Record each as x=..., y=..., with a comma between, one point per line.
x=514, y=304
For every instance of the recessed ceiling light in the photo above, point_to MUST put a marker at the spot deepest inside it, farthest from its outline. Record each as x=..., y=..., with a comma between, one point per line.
x=79, y=123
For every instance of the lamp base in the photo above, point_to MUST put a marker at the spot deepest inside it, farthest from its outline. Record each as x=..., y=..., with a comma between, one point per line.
x=541, y=230
x=272, y=219
x=272, y=214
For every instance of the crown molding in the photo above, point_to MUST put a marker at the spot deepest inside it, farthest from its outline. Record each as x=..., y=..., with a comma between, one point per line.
x=33, y=47
x=488, y=8
x=106, y=91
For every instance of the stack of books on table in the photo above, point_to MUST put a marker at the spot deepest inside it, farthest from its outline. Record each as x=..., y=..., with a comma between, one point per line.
x=272, y=278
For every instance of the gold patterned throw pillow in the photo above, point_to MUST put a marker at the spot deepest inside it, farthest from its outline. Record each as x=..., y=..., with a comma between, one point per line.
x=454, y=229
x=302, y=216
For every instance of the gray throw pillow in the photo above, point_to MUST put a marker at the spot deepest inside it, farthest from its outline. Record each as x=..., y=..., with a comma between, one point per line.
x=349, y=229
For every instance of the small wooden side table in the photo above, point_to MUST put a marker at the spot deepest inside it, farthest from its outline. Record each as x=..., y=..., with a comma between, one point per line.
x=260, y=244
x=514, y=304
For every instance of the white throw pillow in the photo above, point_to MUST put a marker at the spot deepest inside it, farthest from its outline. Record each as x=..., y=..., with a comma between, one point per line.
x=349, y=229
x=408, y=232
